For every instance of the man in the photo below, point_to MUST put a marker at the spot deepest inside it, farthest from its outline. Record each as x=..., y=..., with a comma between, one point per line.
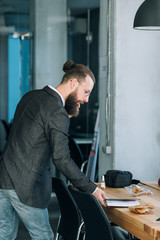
x=39, y=131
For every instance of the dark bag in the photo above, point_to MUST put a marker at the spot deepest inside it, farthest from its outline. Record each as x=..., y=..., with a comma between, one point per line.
x=118, y=178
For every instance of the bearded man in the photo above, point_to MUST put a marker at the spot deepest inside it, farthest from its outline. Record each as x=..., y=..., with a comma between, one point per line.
x=39, y=132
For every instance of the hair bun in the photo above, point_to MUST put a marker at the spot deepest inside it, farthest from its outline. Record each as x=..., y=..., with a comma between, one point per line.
x=69, y=65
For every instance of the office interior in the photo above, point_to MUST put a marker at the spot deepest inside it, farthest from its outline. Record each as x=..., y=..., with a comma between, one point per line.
x=38, y=36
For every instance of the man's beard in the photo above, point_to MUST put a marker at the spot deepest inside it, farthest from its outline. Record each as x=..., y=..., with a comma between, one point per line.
x=71, y=105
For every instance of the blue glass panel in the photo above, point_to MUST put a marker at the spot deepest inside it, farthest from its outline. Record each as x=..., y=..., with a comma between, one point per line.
x=25, y=65
x=14, y=74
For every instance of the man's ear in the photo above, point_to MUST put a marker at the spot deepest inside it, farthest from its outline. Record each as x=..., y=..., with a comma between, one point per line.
x=73, y=83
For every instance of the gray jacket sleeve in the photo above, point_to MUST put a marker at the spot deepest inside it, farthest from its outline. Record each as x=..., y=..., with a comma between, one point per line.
x=61, y=153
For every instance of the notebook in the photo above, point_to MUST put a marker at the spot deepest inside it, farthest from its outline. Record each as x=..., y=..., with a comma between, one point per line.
x=121, y=202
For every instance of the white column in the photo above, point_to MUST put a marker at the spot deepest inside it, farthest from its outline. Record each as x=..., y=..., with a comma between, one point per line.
x=49, y=24
x=105, y=156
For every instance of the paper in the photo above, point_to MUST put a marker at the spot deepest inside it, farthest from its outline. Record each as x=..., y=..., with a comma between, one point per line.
x=136, y=190
x=121, y=202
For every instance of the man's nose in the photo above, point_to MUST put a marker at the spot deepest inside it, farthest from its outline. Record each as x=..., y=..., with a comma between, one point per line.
x=86, y=99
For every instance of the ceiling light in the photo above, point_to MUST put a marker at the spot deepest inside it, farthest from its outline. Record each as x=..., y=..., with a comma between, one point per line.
x=148, y=16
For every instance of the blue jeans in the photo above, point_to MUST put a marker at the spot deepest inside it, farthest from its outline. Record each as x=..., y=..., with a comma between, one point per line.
x=36, y=220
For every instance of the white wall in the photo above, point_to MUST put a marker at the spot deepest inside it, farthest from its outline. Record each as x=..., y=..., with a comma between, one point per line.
x=136, y=94
x=50, y=41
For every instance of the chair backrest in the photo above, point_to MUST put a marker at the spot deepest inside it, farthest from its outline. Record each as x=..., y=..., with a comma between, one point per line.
x=70, y=216
x=7, y=127
x=75, y=151
x=97, y=225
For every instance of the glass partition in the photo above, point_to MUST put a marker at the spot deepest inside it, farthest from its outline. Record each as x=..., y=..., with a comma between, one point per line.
x=83, y=41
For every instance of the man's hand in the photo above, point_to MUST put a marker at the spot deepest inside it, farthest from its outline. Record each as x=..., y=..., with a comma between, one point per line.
x=100, y=195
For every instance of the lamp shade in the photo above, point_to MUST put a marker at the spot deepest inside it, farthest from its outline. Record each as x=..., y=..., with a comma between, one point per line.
x=148, y=16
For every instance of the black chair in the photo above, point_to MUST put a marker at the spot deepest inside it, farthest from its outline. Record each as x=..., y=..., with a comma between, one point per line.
x=7, y=127
x=97, y=225
x=70, y=222
x=75, y=151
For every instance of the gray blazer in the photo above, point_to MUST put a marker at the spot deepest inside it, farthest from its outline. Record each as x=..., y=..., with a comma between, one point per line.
x=39, y=131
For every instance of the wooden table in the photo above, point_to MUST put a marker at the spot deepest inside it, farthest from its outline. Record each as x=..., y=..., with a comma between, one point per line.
x=152, y=184
x=143, y=226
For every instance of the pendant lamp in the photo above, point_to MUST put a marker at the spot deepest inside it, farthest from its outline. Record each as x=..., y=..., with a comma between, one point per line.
x=148, y=16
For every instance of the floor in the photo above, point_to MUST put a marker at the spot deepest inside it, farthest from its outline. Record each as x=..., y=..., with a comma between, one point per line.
x=53, y=216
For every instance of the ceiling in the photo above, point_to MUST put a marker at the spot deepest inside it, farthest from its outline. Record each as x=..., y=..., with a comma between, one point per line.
x=14, y=14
